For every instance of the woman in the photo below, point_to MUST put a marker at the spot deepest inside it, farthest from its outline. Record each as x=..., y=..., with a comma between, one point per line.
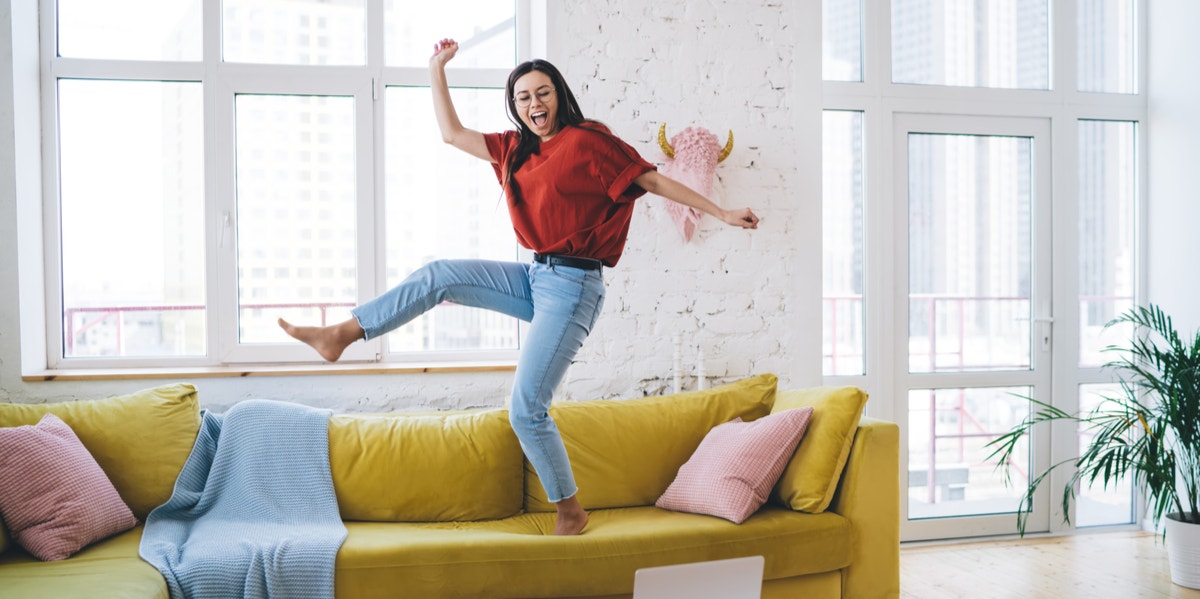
x=570, y=186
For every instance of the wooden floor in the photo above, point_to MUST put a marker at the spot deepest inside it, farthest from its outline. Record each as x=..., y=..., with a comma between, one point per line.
x=1097, y=565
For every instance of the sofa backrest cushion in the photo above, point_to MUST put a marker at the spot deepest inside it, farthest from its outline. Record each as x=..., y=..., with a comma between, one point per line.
x=140, y=440
x=442, y=467
x=811, y=477
x=626, y=452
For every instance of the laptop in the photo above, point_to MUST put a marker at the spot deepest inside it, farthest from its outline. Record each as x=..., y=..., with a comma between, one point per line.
x=738, y=578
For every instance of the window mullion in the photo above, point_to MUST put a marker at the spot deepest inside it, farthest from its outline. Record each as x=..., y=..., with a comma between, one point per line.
x=51, y=210
x=1064, y=51
x=531, y=29
x=220, y=262
x=370, y=219
x=221, y=242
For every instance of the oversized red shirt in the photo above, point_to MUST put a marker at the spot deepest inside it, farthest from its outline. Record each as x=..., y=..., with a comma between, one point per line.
x=577, y=192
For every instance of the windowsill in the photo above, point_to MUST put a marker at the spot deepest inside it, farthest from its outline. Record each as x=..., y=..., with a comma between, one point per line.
x=245, y=370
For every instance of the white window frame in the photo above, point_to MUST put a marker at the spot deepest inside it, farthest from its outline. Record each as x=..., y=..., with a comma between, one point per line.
x=1063, y=106
x=880, y=100
x=221, y=83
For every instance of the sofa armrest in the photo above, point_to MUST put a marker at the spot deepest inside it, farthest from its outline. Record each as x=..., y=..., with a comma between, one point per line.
x=869, y=495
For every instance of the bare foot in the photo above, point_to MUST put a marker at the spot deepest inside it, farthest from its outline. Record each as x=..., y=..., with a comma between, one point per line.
x=329, y=341
x=571, y=517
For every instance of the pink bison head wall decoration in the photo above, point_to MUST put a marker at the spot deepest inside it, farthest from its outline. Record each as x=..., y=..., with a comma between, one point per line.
x=692, y=156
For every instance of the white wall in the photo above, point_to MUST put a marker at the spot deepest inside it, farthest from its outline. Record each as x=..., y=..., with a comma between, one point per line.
x=1173, y=109
x=750, y=300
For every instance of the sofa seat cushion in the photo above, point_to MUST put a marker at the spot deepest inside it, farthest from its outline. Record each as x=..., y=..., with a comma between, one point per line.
x=109, y=569
x=519, y=557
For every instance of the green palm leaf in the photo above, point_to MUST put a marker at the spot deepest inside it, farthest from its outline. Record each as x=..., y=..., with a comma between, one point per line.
x=1149, y=431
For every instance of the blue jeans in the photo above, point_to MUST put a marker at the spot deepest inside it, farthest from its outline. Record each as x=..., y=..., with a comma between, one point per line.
x=561, y=304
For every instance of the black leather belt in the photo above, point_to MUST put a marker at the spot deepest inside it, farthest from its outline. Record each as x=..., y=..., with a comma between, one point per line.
x=572, y=261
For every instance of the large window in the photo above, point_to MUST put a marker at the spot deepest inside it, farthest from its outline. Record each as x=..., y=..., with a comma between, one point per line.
x=283, y=162
x=982, y=189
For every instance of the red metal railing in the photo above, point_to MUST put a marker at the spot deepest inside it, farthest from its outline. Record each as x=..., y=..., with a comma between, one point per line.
x=836, y=305
x=968, y=426
x=939, y=306
x=101, y=314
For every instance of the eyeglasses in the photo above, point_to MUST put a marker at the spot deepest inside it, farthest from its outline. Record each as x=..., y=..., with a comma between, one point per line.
x=523, y=99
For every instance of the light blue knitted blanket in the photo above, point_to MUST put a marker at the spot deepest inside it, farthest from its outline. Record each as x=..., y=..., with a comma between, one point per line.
x=253, y=513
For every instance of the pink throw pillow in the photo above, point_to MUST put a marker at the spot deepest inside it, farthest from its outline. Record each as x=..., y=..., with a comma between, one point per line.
x=732, y=472
x=54, y=497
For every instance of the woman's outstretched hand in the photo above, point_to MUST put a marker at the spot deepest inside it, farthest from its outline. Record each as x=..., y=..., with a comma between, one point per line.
x=740, y=217
x=443, y=51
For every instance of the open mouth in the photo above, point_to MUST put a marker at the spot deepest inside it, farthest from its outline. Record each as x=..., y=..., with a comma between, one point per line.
x=539, y=118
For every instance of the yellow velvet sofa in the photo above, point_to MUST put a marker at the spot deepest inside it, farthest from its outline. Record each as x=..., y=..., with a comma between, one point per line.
x=444, y=504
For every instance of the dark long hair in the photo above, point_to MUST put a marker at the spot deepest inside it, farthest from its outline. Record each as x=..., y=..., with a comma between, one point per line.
x=568, y=115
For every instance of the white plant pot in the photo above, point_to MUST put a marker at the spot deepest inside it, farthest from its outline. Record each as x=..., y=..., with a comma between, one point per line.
x=1183, y=549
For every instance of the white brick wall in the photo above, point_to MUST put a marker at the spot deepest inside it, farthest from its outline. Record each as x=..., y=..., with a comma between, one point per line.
x=750, y=300
x=723, y=65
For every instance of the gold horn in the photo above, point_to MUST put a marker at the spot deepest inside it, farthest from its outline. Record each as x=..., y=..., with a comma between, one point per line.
x=727, y=149
x=663, y=143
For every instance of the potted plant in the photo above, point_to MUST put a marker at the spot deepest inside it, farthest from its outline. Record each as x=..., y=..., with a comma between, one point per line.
x=1149, y=431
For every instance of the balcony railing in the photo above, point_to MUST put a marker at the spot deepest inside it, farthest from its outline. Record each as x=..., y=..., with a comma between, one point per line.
x=844, y=346
x=844, y=329
x=93, y=316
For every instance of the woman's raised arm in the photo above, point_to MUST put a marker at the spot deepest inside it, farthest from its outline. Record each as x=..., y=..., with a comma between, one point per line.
x=453, y=131
x=659, y=184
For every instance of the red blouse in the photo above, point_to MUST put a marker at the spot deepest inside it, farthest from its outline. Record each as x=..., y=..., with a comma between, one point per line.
x=577, y=192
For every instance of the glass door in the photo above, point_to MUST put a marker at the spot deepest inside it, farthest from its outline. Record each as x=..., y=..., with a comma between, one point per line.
x=973, y=315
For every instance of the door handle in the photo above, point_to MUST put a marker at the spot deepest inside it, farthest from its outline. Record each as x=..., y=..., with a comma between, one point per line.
x=1046, y=332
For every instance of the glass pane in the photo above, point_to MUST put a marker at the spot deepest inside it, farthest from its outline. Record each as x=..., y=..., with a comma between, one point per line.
x=842, y=242
x=969, y=210
x=969, y=43
x=443, y=203
x=842, y=37
x=1107, y=226
x=484, y=29
x=130, y=29
x=1098, y=506
x=295, y=212
x=948, y=471
x=132, y=188
x=307, y=32
x=1107, y=32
